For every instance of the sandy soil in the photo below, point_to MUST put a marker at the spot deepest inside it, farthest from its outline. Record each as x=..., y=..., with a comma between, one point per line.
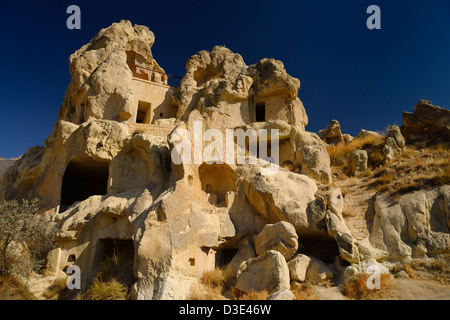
x=405, y=289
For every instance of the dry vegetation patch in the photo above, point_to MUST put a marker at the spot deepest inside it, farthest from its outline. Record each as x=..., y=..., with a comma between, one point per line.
x=13, y=289
x=305, y=291
x=416, y=171
x=436, y=269
x=237, y=294
x=356, y=287
x=339, y=153
x=211, y=287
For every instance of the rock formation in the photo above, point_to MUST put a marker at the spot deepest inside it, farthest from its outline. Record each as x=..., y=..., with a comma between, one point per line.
x=332, y=133
x=109, y=175
x=428, y=124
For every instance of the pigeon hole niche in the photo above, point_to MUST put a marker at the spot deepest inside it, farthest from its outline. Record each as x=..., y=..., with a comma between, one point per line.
x=83, y=177
x=216, y=181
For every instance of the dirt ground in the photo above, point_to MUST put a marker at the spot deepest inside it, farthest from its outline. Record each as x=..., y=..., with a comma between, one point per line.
x=404, y=289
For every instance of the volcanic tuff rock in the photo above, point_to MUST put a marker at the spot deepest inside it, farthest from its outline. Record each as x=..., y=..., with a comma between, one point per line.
x=428, y=123
x=107, y=175
x=332, y=133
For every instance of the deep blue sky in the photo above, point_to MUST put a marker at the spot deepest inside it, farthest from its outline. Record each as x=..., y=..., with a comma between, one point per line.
x=363, y=78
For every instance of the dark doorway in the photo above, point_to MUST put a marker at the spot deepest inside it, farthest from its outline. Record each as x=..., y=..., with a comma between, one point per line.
x=326, y=250
x=260, y=111
x=83, y=178
x=115, y=258
x=143, y=112
x=224, y=257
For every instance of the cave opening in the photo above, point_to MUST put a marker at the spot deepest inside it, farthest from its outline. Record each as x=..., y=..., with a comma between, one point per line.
x=83, y=178
x=224, y=257
x=325, y=250
x=115, y=258
x=217, y=179
x=260, y=112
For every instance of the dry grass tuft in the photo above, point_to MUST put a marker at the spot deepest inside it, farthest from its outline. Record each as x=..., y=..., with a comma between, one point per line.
x=436, y=270
x=212, y=284
x=237, y=294
x=409, y=270
x=106, y=290
x=305, y=292
x=12, y=289
x=356, y=287
x=55, y=288
x=339, y=153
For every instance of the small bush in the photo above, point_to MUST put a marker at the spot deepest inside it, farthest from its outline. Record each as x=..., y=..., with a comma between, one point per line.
x=237, y=294
x=305, y=292
x=439, y=265
x=214, y=279
x=339, y=153
x=383, y=181
x=212, y=284
x=25, y=237
x=12, y=289
x=107, y=284
x=55, y=289
x=106, y=290
x=376, y=158
x=409, y=270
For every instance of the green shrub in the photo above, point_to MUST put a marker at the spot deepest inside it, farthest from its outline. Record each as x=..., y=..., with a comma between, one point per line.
x=25, y=237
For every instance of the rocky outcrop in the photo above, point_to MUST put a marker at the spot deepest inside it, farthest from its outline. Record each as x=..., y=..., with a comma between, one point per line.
x=267, y=272
x=428, y=124
x=21, y=175
x=413, y=226
x=110, y=176
x=281, y=237
x=394, y=143
x=4, y=165
x=101, y=78
x=298, y=266
x=332, y=133
x=220, y=85
x=357, y=162
x=363, y=134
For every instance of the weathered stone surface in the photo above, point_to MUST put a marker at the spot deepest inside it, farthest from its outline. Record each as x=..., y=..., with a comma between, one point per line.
x=101, y=78
x=358, y=162
x=220, y=80
x=427, y=125
x=332, y=133
x=267, y=272
x=283, y=197
x=394, y=143
x=22, y=174
x=246, y=252
x=416, y=225
x=4, y=165
x=174, y=221
x=313, y=157
x=280, y=236
x=298, y=267
x=318, y=272
x=282, y=295
x=367, y=133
